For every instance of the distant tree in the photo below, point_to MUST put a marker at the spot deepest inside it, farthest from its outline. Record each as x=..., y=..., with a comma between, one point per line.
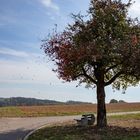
x=121, y=101
x=99, y=50
x=113, y=101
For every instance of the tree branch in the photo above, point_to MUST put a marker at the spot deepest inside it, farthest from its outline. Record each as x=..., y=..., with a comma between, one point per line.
x=111, y=67
x=113, y=78
x=77, y=76
x=89, y=77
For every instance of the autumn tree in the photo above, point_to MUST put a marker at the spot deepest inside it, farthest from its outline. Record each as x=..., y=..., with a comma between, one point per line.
x=100, y=49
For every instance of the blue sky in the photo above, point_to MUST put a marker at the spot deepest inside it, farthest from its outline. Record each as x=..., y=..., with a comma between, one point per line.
x=24, y=70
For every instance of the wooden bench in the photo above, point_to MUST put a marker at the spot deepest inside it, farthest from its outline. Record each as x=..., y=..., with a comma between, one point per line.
x=86, y=119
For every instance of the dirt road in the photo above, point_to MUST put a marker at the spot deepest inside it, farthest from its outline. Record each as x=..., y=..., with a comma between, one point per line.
x=17, y=128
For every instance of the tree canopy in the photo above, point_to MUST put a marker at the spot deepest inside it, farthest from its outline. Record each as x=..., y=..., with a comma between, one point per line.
x=109, y=39
x=100, y=49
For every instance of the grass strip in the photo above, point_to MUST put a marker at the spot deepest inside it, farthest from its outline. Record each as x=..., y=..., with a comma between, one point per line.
x=73, y=132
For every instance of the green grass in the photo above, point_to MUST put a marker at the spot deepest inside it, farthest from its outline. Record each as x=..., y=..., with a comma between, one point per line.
x=74, y=132
x=63, y=110
x=35, y=111
x=11, y=112
x=19, y=112
x=126, y=117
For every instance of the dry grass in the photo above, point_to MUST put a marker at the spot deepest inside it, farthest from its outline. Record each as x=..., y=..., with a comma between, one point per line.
x=119, y=129
x=129, y=120
x=123, y=107
x=55, y=110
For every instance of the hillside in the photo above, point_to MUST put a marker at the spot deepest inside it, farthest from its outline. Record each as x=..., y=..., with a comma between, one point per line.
x=21, y=101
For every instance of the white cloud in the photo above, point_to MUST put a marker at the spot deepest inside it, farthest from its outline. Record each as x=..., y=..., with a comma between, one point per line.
x=50, y=4
x=28, y=72
x=37, y=57
x=8, y=51
x=29, y=79
x=135, y=9
x=31, y=69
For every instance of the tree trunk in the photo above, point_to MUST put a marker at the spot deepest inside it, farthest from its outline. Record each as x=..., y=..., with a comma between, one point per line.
x=101, y=107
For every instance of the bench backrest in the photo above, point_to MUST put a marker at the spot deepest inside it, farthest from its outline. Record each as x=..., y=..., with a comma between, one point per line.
x=90, y=118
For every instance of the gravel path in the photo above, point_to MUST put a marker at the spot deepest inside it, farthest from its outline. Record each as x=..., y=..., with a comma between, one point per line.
x=17, y=128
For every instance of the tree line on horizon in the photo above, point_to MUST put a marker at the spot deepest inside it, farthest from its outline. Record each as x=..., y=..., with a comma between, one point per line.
x=21, y=101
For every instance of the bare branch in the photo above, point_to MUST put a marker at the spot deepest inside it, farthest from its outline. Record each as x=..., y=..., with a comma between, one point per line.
x=89, y=77
x=77, y=76
x=111, y=67
x=113, y=78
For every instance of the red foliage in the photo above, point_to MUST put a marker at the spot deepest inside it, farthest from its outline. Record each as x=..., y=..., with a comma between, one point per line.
x=134, y=40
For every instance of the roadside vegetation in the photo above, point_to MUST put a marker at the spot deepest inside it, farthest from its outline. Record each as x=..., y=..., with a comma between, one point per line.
x=121, y=127
x=63, y=110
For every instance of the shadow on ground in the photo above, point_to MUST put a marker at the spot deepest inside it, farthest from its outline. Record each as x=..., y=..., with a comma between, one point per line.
x=73, y=132
x=18, y=134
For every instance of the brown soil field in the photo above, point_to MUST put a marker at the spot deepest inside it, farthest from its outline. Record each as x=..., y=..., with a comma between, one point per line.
x=116, y=107
x=53, y=110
